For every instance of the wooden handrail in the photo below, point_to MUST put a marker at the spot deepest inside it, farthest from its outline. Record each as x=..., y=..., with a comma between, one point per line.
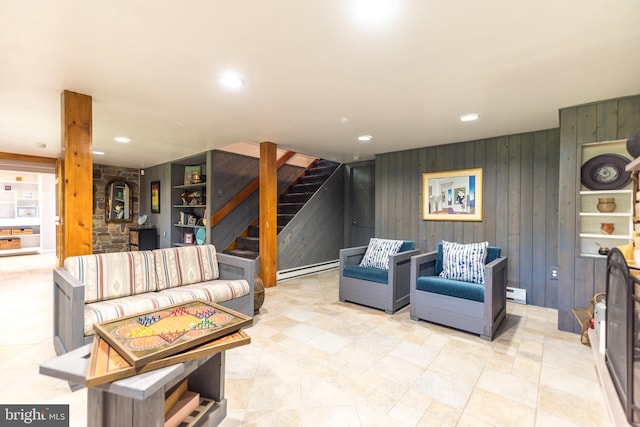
x=222, y=213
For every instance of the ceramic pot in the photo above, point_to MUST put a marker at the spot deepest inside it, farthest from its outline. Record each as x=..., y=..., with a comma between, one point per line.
x=606, y=204
x=607, y=227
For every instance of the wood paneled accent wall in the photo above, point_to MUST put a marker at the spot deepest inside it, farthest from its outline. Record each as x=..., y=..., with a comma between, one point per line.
x=580, y=277
x=520, y=202
x=315, y=235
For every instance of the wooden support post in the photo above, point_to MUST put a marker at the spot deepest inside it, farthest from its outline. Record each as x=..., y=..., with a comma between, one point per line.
x=77, y=213
x=268, y=213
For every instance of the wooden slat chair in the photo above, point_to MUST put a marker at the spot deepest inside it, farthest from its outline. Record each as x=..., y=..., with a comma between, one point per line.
x=471, y=307
x=386, y=290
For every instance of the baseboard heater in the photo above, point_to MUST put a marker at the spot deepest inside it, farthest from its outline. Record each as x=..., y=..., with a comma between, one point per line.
x=517, y=295
x=306, y=269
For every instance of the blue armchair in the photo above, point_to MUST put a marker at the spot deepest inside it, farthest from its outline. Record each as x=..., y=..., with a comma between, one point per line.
x=386, y=290
x=471, y=307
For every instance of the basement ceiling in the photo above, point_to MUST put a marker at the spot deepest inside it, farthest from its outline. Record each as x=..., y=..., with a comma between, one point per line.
x=316, y=75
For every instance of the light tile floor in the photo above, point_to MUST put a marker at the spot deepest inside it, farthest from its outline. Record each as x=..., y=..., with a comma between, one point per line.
x=314, y=361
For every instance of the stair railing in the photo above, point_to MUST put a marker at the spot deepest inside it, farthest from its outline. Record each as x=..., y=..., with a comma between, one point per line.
x=224, y=211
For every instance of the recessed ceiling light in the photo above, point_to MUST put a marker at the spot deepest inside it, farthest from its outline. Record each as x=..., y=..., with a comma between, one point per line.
x=99, y=153
x=469, y=117
x=231, y=80
x=122, y=139
x=373, y=10
x=365, y=138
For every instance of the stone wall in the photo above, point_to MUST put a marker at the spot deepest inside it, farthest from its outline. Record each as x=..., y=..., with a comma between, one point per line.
x=112, y=237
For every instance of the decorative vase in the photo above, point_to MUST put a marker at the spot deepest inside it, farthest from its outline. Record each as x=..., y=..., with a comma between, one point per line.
x=258, y=294
x=606, y=204
x=607, y=227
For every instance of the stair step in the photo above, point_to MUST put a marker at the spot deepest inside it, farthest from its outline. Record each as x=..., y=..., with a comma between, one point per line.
x=323, y=170
x=289, y=208
x=283, y=219
x=248, y=244
x=326, y=163
x=312, y=179
x=305, y=188
x=254, y=231
x=295, y=197
x=242, y=253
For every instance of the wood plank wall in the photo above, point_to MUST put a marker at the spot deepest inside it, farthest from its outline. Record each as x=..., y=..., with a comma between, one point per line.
x=580, y=277
x=314, y=235
x=520, y=202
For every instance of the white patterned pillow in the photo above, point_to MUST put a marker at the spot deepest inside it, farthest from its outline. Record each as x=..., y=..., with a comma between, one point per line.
x=378, y=251
x=464, y=262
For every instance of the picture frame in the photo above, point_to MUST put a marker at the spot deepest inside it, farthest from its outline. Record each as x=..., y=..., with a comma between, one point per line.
x=452, y=195
x=189, y=172
x=155, y=197
x=188, y=238
x=27, y=211
x=192, y=220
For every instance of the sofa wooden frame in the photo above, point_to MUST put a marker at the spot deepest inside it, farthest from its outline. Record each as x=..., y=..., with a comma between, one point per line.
x=68, y=301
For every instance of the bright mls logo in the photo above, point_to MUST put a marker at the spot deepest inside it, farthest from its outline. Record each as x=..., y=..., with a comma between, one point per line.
x=34, y=415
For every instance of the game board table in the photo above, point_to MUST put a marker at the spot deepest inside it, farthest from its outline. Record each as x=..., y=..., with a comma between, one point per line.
x=138, y=401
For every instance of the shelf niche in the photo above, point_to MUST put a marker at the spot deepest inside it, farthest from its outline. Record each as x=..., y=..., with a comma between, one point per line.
x=591, y=236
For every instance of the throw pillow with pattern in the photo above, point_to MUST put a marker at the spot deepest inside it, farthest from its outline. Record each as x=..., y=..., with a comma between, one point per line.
x=378, y=251
x=464, y=262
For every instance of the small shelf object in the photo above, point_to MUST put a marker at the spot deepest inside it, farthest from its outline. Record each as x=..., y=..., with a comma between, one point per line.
x=605, y=216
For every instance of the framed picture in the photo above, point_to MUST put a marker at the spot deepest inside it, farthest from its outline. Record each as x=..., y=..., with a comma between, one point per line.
x=193, y=220
x=188, y=238
x=155, y=197
x=452, y=196
x=191, y=175
x=27, y=211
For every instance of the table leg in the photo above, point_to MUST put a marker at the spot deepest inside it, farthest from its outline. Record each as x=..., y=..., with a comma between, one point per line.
x=106, y=409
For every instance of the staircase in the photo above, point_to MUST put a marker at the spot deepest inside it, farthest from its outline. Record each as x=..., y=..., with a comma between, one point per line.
x=289, y=203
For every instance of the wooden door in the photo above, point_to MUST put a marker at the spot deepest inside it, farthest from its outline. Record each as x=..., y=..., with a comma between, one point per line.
x=361, y=209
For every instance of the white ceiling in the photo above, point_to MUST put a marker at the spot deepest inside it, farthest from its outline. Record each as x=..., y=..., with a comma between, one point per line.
x=152, y=69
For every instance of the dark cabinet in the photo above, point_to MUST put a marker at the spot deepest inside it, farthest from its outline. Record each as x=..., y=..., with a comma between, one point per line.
x=143, y=239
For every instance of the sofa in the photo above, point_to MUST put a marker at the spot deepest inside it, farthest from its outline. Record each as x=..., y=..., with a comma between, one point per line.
x=382, y=288
x=478, y=308
x=94, y=288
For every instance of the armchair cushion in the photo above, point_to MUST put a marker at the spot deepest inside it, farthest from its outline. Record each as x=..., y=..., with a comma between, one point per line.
x=464, y=262
x=366, y=273
x=378, y=251
x=452, y=288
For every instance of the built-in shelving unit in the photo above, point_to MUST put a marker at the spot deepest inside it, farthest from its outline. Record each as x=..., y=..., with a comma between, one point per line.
x=189, y=196
x=592, y=237
x=20, y=213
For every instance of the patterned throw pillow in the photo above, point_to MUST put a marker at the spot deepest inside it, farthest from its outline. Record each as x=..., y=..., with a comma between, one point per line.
x=464, y=262
x=378, y=251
